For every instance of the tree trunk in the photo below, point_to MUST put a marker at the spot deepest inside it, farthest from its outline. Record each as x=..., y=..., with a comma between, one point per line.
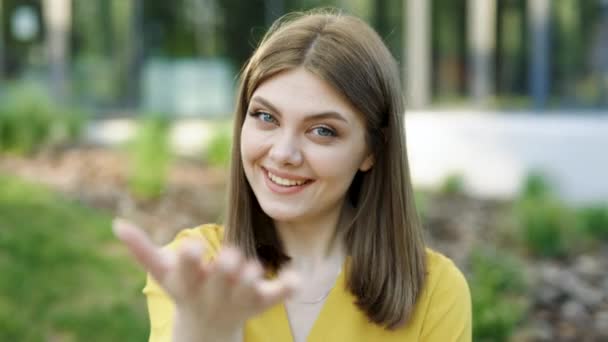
x=418, y=54
x=57, y=18
x=482, y=42
x=538, y=16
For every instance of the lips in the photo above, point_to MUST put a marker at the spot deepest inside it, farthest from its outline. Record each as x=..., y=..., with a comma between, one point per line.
x=283, y=183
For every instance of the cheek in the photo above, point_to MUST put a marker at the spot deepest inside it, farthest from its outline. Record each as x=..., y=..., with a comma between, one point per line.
x=252, y=146
x=335, y=164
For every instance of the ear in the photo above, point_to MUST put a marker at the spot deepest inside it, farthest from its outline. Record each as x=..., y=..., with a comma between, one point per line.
x=367, y=163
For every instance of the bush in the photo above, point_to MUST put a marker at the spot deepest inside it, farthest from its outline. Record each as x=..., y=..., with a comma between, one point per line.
x=150, y=157
x=547, y=227
x=594, y=220
x=219, y=148
x=30, y=120
x=536, y=185
x=498, y=295
x=453, y=185
x=421, y=201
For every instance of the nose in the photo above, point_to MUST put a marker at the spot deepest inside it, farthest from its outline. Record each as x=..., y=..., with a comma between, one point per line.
x=285, y=150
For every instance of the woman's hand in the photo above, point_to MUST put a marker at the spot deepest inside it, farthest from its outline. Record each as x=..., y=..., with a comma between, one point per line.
x=211, y=299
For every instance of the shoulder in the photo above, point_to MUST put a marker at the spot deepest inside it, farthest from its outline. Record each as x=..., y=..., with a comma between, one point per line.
x=447, y=298
x=210, y=234
x=442, y=269
x=444, y=278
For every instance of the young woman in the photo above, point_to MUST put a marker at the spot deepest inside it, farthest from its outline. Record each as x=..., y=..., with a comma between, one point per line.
x=319, y=186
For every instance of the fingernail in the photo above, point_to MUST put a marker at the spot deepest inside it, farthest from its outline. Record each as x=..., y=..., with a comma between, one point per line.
x=119, y=227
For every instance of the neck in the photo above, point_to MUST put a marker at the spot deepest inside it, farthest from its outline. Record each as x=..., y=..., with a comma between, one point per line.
x=313, y=244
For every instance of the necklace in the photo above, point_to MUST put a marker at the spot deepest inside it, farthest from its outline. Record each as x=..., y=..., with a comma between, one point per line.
x=322, y=297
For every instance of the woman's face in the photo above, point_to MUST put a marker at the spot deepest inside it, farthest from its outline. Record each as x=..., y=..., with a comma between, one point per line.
x=301, y=146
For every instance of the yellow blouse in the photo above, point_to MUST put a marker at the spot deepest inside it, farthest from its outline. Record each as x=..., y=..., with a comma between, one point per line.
x=442, y=314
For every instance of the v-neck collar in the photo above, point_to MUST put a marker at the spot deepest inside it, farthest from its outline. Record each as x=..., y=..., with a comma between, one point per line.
x=323, y=321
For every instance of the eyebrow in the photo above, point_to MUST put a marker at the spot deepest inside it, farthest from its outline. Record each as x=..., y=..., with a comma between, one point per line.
x=318, y=116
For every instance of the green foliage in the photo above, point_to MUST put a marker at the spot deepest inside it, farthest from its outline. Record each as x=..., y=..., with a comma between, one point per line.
x=453, y=184
x=219, y=147
x=536, y=185
x=547, y=227
x=421, y=200
x=30, y=120
x=64, y=276
x=150, y=157
x=498, y=295
x=594, y=220
x=94, y=78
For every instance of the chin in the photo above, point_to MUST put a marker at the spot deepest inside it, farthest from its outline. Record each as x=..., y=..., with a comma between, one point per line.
x=281, y=214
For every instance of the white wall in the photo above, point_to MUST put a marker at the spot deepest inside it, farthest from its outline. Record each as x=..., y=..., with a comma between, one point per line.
x=494, y=151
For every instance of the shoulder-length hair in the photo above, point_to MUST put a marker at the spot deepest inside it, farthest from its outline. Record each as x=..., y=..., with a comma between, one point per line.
x=384, y=241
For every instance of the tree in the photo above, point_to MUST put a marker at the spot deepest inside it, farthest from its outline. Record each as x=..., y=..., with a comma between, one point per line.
x=57, y=18
x=417, y=53
x=449, y=47
x=381, y=21
x=538, y=16
x=482, y=42
x=243, y=27
x=511, y=54
x=1, y=44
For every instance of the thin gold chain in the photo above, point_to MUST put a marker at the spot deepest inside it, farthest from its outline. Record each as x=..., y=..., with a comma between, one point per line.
x=322, y=297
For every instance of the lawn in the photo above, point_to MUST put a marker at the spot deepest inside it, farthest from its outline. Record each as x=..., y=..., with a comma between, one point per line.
x=63, y=275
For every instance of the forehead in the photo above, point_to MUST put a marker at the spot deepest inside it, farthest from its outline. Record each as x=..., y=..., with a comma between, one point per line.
x=298, y=91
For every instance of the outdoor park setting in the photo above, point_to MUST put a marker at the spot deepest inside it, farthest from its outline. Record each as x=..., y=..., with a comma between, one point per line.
x=124, y=108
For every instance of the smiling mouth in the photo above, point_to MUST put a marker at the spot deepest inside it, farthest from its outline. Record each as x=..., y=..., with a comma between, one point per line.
x=284, y=181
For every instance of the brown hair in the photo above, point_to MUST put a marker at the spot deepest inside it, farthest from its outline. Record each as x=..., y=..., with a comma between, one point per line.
x=384, y=241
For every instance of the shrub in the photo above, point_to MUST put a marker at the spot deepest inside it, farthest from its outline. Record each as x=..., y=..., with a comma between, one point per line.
x=453, y=184
x=536, y=185
x=421, y=201
x=498, y=295
x=547, y=227
x=30, y=120
x=219, y=146
x=594, y=220
x=150, y=157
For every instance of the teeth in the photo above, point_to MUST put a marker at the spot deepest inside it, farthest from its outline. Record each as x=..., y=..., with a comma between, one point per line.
x=283, y=181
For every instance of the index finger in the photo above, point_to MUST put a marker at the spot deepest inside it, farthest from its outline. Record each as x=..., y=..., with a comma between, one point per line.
x=138, y=243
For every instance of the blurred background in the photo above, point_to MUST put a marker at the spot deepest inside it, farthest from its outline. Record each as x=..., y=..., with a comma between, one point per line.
x=124, y=107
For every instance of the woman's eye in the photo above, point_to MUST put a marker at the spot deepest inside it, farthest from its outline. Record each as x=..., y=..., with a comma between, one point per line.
x=324, y=132
x=266, y=117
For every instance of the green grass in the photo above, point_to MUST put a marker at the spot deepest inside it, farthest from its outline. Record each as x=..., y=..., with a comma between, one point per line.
x=64, y=277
